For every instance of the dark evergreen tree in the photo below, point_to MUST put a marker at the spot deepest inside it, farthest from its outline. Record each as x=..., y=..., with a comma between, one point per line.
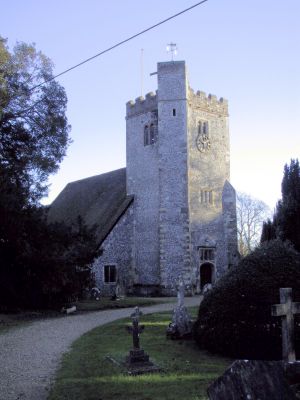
x=288, y=209
x=286, y=220
x=49, y=264
x=268, y=231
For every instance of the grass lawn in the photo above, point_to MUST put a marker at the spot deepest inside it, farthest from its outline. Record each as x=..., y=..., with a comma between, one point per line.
x=86, y=374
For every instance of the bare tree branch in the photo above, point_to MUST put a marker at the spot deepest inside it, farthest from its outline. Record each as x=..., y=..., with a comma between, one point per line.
x=251, y=213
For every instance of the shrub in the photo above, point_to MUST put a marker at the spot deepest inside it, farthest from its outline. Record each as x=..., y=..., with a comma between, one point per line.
x=48, y=265
x=235, y=317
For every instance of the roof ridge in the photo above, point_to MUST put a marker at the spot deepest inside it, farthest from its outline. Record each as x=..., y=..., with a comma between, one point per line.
x=97, y=176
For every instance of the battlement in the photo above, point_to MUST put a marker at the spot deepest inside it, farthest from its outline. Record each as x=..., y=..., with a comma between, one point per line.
x=208, y=103
x=141, y=104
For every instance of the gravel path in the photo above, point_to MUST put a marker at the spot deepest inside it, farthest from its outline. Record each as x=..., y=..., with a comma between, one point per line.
x=30, y=356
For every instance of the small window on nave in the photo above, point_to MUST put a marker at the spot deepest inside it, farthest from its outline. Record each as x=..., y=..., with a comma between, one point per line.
x=110, y=273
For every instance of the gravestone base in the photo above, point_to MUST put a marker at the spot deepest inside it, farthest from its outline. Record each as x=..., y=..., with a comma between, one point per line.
x=292, y=371
x=292, y=375
x=138, y=363
x=137, y=356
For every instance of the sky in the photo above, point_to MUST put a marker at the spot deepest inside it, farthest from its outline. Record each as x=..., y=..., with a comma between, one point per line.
x=245, y=51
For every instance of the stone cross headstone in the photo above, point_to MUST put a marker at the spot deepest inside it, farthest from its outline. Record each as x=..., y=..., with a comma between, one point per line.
x=287, y=309
x=180, y=292
x=135, y=329
x=136, y=313
x=137, y=362
x=181, y=325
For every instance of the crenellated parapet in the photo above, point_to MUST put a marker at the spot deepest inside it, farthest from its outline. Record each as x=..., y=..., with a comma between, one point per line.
x=208, y=103
x=141, y=105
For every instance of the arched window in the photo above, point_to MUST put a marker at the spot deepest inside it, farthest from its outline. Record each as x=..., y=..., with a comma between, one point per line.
x=152, y=134
x=203, y=127
x=149, y=134
x=146, y=135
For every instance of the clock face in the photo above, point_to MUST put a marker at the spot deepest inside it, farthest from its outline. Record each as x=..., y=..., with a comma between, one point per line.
x=203, y=142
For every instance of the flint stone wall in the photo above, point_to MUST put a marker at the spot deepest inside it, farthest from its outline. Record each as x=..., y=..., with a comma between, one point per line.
x=117, y=250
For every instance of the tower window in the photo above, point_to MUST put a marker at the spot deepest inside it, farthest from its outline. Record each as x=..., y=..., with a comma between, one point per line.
x=203, y=127
x=152, y=136
x=206, y=196
x=146, y=135
x=207, y=254
x=174, y=112
x=149, y=134
x=110, y=274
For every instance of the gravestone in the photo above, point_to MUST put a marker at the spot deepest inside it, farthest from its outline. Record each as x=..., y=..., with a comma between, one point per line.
x=252, y=380
x=95, y=293
x=206, y=288
x=264, y=380
x=69, y=310
x=181, y=325
x=136, y=354
x=137, y=362
x=287, y=309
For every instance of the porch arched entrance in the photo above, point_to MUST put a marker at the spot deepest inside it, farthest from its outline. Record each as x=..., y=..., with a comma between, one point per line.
x=206, y=274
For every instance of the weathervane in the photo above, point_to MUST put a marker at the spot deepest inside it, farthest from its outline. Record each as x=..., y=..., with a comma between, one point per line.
x=172, y=47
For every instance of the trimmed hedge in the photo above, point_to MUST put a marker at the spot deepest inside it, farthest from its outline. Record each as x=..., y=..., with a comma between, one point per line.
x=235, y=317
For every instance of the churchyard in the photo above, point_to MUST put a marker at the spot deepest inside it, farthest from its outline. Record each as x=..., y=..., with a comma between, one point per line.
x=156, y=358
x=88, y=372
x=140, y=361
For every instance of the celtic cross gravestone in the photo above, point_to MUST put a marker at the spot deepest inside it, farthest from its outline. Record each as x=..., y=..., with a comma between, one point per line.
x=135, y=329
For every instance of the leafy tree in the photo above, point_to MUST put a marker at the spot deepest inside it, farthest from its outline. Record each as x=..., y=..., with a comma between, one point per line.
x=235, y=318
x=251, y=213
x=286, y=221
x=41, y=265
x=34, y=133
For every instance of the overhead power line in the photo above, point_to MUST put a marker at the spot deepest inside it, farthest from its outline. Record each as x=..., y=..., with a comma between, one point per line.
x=120, y=43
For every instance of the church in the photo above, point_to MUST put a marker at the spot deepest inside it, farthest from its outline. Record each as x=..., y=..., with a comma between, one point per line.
x=172, y=211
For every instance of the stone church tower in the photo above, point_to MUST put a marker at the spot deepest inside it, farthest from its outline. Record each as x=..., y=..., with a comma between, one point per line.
x=178, y=172
x=174, y=209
